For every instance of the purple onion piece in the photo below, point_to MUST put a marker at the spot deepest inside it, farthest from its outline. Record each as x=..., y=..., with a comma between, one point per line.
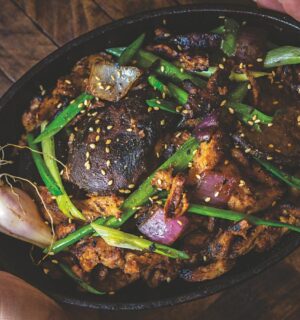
x=163, y=230
x=205, y=129
x=216, y=186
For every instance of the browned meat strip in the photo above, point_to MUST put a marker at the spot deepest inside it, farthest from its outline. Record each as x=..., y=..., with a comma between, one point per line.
x=251, y=45
x=279, y=142
x=63, y=229
x=195, y=41
x=207, y=272
x=163, y=50
x=176, y=203
x=290, y=78
x=92, y=252
x=193, y=63
x=103, y=206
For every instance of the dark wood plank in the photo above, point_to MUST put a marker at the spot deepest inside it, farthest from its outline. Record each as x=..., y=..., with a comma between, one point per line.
x=22, y=44
x=5, y=83
x=64, y=20
x=241, y=2
x=121, y=8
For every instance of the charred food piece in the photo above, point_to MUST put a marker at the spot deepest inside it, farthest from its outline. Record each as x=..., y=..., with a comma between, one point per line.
x=251, y=45
x=112, y=148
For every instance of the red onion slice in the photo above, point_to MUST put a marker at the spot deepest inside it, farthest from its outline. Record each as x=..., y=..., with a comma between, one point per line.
x=163, y=230
x=205, y=129
x=215, y=186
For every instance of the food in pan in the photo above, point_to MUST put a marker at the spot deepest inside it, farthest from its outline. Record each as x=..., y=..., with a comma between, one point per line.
x=169, y=158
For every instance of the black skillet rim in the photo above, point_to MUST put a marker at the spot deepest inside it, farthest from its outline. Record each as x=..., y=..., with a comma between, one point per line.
x=286, y=246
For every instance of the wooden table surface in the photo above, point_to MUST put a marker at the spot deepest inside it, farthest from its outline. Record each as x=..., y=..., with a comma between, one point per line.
x=30, y=30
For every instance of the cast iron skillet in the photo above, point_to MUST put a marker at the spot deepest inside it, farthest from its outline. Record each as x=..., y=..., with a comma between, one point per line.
x=14, y=255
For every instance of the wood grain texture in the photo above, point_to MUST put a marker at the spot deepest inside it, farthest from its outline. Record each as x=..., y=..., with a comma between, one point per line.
x=121, y=8
x=22, y=44
x=241, y=2
x=5, y=83
x=64, y=20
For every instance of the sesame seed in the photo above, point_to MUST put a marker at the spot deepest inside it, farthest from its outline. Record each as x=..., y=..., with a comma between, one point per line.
x=207, y=199
x=178, y=108
x=91, y=129
x=241, y=66
x=247, y=150
x=194, y=152
x=162, y=122
x=108, y=141
x=185, y=111
x=250, y=122
x=98, y=130
x=149, y=109
x=103, y=172
x=181, y=70
x=271, y=145
x=275, y=102
x=270, y=124
x=190, y=164
x=60, y=104
x=87, y=154
x=107, y=88
x=242, y=183
x=129, y=130
x=269, y=158
x=179, y=47
x=68, y=81
x=249, y=86
x=254, y=117
x=157, y=154
x=87, y=165
x=226, y=162
x=127, y=191
x=231, y=110
x=221, y=66
x=179, y=222
x=257, y=121
x=223, y=103
x=158, y=102
x=198, y=176
x=110, y=182
x=54, y=261
x=289, y=145
x=109, y=127
x=259, y=59
x=108, y=163
x=162, y=68
x=107, y=150
x=97, y=138
x=85, y=102
x=92, y=146
x=131, y=186
x=156, y=108
x=112, y=78
x=178, y=134
x=216, y=194
x=97, y=121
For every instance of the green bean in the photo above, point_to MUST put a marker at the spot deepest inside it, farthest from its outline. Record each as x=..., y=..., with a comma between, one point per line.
x=79, y=281
x=64, y=117
x=125, y=240
x=228, y=44
x=237, y=216
x=177, y=93
x=163, y=105
x=286, y=178
x=42, y=168
x=63, y=201
x=129, y=53
x=282, y=56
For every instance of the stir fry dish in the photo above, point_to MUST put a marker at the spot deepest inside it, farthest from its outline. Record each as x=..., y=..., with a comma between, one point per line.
x=167, y=158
